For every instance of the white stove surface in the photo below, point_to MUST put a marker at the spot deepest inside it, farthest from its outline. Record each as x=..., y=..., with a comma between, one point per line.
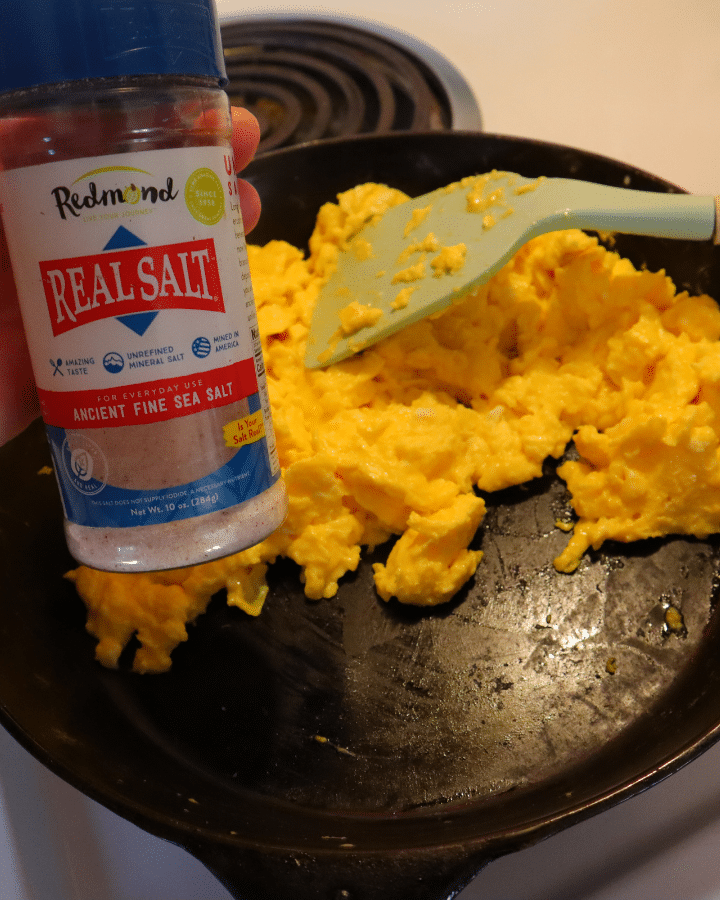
x=636, y=81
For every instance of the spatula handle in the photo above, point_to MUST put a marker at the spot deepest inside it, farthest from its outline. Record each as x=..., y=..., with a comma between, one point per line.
x=581, y=204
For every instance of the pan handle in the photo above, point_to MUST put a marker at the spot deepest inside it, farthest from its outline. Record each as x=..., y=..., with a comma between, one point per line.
x=425, y=874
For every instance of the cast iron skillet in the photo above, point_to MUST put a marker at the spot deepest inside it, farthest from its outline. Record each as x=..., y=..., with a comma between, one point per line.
x=352, y=748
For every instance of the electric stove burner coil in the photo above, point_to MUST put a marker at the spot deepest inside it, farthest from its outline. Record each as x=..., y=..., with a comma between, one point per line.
x=309, y=80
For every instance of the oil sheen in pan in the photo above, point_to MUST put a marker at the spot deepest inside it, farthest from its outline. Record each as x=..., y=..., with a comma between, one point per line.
x=527, y=673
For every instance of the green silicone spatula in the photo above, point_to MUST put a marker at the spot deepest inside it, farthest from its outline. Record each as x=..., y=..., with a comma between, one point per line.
x=425, y=253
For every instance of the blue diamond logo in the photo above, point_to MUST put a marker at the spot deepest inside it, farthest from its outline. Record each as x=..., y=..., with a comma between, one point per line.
x=138, y=322
x=122, y=240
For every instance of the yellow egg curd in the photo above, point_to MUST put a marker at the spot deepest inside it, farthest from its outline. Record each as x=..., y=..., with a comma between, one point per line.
x=567, y=342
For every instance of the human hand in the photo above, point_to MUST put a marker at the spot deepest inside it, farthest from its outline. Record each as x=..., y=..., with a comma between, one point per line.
x=18, y=400
x=245, y=138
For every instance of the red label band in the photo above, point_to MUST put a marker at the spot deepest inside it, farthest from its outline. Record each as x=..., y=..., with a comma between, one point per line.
x=116, y=283
x=151, y=401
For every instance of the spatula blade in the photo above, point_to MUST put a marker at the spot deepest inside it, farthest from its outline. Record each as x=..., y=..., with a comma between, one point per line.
x=423, y=255
x=418, y=259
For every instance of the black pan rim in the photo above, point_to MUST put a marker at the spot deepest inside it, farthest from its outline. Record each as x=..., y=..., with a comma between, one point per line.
x=179, y=830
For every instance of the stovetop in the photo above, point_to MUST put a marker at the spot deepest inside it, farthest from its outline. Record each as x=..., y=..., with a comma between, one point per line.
x=306, y=79
x=638, y=82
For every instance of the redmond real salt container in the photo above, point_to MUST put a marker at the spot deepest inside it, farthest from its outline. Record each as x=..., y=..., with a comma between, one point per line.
x=120, y=206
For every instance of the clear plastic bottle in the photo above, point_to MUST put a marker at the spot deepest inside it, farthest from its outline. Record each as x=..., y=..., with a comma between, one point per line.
x=120, y=207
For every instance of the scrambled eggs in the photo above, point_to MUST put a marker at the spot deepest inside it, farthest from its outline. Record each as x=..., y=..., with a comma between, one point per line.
x=567, y=341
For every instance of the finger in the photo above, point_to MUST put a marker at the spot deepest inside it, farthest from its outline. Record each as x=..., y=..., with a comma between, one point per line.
x=245, y=138
x=18, y=399
x=249, y=205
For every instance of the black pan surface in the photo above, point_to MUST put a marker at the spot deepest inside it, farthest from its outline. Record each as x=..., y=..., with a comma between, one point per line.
x=356, y=749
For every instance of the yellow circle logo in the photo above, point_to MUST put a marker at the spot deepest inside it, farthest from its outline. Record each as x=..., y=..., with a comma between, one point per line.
x=131, y=194
x=204, y=196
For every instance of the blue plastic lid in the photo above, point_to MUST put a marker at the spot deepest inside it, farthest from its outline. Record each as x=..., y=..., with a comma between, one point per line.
x=53, y=41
